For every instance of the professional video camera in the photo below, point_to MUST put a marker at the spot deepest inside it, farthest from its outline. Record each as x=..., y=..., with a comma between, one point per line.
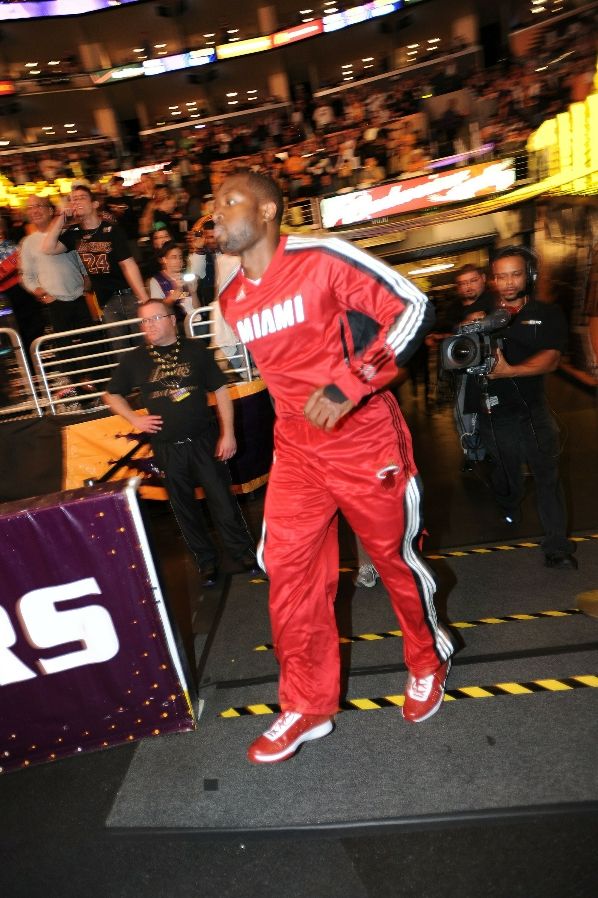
x=472, y=349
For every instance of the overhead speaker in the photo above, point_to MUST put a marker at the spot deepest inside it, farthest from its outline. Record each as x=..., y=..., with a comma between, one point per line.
x=205, y=76
x=10, y=107
x=174, y=9
x=393, y=24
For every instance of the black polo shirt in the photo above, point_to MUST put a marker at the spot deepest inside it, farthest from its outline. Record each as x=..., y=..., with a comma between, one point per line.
x=538, y=326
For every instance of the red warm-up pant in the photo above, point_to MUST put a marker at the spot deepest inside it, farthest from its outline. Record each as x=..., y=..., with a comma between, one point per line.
x=314, y=474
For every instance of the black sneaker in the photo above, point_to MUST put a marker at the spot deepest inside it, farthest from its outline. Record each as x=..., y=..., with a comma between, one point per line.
x=208, y=576
x=561, y=560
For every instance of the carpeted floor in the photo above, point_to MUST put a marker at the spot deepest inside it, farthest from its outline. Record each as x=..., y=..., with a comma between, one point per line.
x=481, y=755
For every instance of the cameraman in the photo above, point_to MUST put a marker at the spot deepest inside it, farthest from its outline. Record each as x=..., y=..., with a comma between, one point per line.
x=472, y=296
x=473, y=300
x=516, y=424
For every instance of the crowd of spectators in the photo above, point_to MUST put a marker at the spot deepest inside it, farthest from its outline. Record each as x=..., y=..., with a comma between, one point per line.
x=320, y=145
x=352, y=138
x=511, y=100
x=85, y=160
x=389, y=120
x=356, y=136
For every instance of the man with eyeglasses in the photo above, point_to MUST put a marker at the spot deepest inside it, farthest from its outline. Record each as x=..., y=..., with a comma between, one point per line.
x=191, y=445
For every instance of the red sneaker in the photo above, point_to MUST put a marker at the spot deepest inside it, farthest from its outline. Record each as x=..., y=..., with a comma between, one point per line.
x=423, y=695
x=286, y=734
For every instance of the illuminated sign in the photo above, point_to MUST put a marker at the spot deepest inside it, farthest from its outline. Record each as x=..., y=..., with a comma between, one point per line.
x=155, y=66
x=179, y=61
x=298, y=33
x=336, y=21
x=234, y=49
x=459, y=158
x=243, y=48
x=416, y=194
x=200, y=57
x=135, y=70
x=165, y=64
x=55, y=8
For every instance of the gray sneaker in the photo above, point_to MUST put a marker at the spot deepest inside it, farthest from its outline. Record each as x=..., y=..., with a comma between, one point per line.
x=367, y=575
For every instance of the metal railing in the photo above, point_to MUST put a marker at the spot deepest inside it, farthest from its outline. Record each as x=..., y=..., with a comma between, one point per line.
x=303, y=213
x=73, y=368
x=18, y=397
x=233, y=358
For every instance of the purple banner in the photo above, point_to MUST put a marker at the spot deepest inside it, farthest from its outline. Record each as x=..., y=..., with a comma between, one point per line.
x=87, y=654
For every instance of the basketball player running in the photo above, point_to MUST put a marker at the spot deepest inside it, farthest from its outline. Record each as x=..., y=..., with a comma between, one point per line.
x=328, y=325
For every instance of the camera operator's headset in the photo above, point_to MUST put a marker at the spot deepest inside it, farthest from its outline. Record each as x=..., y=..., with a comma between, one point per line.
x=531, y=263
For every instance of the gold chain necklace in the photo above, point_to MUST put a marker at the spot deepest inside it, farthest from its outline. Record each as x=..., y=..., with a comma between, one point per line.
x=167, y=363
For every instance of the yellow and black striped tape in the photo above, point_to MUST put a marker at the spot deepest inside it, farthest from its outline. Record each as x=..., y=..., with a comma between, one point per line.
x=451, y=695
x=459, y=625
x=511, y=547
x=479, y=550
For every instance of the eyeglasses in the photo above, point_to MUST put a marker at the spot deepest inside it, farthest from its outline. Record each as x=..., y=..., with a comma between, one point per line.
x=152, y=318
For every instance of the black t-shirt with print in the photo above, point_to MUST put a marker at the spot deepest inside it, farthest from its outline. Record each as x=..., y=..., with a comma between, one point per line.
x=179, y=396
x=101, y=250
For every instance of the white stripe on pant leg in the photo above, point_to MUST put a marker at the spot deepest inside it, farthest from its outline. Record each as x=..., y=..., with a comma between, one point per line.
x=260, y=547
x=419, y=568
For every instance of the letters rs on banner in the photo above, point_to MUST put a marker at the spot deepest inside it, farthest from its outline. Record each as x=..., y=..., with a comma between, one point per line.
x=87, y=655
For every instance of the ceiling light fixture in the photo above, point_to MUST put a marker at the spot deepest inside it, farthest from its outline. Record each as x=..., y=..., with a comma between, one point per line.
x=432, y=269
